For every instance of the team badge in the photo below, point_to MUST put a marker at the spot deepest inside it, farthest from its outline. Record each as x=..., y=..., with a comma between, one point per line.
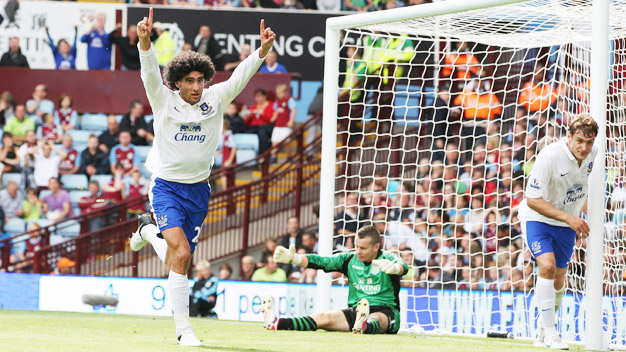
x=590, y=167
x=206, y=109
x=536, y=247
x=162, y=220
x=375, y=269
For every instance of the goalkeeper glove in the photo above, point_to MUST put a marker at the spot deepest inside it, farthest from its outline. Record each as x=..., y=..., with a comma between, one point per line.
x=287, y=256
x=389, y=267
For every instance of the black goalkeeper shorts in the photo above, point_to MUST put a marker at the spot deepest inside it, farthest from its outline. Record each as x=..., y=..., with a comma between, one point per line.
x=392, y=324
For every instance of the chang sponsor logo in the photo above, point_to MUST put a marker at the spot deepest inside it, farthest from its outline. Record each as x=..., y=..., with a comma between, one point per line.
x=188, y=133
x=574, y=194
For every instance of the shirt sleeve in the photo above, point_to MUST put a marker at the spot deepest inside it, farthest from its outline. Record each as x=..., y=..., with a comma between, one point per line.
x=86, y=38
x=136, y=159
x=151, y=77
x=229, y=89
x=540, y=176
x=328, y=264
x=112, y=156
x=291, y=103
x=73, y=119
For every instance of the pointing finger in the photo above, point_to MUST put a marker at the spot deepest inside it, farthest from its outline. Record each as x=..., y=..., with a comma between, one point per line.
x=150, y=15
x=262, y=25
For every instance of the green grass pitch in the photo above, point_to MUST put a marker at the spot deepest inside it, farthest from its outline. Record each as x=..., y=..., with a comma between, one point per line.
x=55, y=331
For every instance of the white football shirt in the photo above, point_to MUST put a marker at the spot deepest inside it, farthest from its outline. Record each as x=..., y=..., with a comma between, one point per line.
x=557, y=179
x=186, y=136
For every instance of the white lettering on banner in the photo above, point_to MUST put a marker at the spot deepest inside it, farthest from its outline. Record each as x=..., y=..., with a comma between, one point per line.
x=446, y=307
x=483, y=312
x=620, y=313
x=520, y=327
x=506, y=315
x=292, y=45
x=314, y=52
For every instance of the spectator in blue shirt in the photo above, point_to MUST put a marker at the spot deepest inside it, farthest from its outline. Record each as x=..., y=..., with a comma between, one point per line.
x=64, y=55
x=39, y=104
x=99, y=47
x=272, y=65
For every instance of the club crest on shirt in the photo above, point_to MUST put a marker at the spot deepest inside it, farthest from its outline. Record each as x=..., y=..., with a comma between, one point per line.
x=375, y=269
x=162, y=220
x=206, y=109
x=536, y=247
x=590, y=167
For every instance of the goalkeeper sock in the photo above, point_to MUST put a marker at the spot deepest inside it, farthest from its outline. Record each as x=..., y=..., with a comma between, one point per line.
x=301, y=324
x=179, y=292
x=150, y=233
x=558, y=297
x=545, y=297
x=373, y=327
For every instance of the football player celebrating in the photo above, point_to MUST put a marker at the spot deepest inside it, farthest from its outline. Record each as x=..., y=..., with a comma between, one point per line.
x=187, y=128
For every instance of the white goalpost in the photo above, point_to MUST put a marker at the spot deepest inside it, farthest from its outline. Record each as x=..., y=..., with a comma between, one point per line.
x=433, y=115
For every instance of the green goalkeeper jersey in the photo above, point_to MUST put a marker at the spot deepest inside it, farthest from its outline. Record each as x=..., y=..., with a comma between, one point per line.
x=365, y=280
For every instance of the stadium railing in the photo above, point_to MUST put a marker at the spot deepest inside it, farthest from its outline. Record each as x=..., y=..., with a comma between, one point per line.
x=61, y=231
x=239, y=218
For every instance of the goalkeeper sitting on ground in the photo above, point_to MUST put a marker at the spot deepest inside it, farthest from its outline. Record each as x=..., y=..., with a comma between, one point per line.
x=374, y=276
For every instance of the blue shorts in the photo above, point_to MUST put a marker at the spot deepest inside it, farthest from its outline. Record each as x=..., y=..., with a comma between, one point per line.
x=543, y=238
x=180, y=205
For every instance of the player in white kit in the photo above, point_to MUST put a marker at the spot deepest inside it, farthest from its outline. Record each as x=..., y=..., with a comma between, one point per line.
x=188, y=121
x=550, y=214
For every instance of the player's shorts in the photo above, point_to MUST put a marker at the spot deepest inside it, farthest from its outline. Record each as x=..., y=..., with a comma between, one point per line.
x=280, y=133
x=543, y=238
x=180, y=205
x=393, y=317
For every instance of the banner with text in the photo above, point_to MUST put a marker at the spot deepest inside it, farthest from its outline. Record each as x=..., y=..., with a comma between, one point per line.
x=32, y=17
x=476, y=312
x=299, y=34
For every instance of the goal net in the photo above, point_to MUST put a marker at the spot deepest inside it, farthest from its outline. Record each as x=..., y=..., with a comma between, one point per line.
x=439, y=121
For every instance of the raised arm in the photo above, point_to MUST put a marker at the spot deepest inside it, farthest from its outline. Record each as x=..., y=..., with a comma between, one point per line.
x=50, y=41
x=248, y=67
x=150, y=73
x=313, y=261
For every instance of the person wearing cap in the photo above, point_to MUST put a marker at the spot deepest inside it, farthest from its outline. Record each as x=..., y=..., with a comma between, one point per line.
x=203, y=292
x=65, y=266
x=164, y=47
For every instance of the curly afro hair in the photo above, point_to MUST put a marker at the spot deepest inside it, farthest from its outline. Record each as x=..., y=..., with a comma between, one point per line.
x=185, y=63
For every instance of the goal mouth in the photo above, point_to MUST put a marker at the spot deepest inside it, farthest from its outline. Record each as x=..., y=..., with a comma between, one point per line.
x=439, y=122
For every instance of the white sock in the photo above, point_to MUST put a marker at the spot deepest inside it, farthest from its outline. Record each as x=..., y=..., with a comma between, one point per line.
x=150, y=232
x=558, y=297
x=545, y=301
x=179, y=292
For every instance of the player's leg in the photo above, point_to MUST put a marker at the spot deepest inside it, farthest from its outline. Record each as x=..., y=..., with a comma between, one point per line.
x=179, y=254
x=559, y=287
x=540, y=246
x=146, y=230
x=375, y=320
x=193, y=202
x=333, y=320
